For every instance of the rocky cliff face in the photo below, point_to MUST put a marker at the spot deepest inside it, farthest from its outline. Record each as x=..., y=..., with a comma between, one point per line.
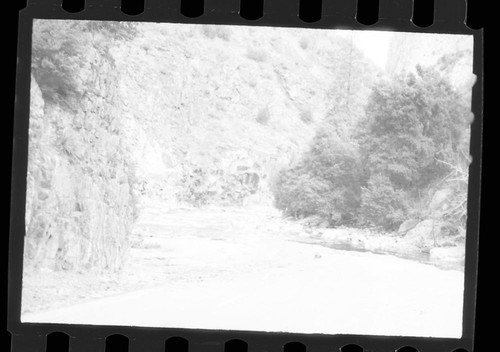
x=79, y=204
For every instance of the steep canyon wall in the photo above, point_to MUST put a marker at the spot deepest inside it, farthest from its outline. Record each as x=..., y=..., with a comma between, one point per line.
x=79, y=203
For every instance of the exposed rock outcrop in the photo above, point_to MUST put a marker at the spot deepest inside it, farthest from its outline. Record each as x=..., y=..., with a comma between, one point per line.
x=79, y=201
x=428, y=233
x=407, y=226
x=440, y=201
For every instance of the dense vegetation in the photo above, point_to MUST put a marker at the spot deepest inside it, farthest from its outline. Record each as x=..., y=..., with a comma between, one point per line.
x=326, y=181
x=413, y=137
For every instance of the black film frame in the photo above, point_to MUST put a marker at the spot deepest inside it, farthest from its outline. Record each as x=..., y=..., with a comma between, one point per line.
x=394, y=15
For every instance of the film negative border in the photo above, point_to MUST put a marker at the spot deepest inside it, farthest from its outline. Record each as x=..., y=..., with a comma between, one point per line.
x=396, y=15
x=448, y=16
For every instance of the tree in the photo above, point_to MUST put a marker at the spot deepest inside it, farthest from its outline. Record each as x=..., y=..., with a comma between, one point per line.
x=381, y=204
x=326, y=182
x=414, y=126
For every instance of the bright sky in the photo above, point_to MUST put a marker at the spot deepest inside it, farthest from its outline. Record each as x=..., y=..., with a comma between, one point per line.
x=374, y=44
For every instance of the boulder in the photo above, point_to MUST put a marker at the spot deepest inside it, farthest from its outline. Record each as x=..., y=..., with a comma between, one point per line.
x=324, y=224
x=440, y=199
x=407, y=226
x=428, y=233
x=312, y=221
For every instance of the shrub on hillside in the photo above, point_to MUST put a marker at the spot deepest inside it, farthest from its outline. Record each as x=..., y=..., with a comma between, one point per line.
x=208, y=31
x=306, y=116
x=216, y=31
x=224, y=32
x=304, y=43
x=255, y=54
x=263, y=116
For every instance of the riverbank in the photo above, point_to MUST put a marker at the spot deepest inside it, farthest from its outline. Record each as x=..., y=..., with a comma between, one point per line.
x=269, y=222
x=451, y=256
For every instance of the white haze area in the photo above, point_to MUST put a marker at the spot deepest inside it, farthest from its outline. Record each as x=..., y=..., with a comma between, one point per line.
x=374, y=44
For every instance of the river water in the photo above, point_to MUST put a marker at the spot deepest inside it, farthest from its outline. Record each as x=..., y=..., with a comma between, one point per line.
x=244, y=269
